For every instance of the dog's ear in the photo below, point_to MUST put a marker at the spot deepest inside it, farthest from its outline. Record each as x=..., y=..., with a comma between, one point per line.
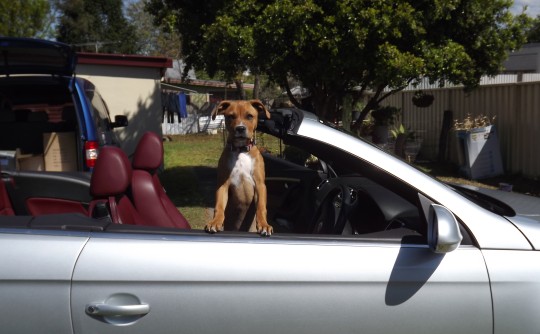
x=219, y=109
x=259, y=106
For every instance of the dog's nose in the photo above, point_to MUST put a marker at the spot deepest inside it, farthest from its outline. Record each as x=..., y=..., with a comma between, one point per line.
x=240, y=129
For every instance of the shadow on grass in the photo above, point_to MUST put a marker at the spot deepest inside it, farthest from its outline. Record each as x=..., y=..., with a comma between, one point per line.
x=192, y=186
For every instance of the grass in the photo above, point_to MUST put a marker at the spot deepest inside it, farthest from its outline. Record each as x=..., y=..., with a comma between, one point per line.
x=190, y=162
x=183, y=156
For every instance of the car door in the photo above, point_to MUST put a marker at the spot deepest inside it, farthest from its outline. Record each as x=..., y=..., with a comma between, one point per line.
x=38, y=193
x=242, y=283
x=35, y=278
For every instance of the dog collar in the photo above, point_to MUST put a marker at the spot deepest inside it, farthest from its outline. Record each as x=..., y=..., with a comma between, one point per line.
x=246, y=148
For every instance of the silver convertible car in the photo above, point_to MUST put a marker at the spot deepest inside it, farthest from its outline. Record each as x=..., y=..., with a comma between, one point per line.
x=363, y=243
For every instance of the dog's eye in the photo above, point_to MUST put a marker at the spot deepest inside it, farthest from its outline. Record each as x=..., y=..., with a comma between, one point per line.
x=229, y=117
x=249, y=117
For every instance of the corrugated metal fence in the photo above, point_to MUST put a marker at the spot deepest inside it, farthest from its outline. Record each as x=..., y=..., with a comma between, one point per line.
x=516, y=106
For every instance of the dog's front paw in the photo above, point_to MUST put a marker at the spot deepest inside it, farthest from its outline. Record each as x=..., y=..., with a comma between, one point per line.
x=213, y=227
x=265, y=229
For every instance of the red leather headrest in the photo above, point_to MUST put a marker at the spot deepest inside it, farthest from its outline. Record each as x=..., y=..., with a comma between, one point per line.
x=149, y=152
x=112, y=173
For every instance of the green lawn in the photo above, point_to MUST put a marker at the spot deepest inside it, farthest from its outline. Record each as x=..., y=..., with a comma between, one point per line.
x=182, y=155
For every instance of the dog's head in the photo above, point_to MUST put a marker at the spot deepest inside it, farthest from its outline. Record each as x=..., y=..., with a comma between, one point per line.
x=241, y=119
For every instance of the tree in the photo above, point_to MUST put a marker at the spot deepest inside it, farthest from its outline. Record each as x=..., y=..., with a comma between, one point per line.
x=337, y=47
x=24, y=18
x=189, y=17
x=152, y=40
x=95, y=25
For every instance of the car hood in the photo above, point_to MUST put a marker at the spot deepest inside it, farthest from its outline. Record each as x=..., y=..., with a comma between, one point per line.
x=35, y=56
x=527, y=211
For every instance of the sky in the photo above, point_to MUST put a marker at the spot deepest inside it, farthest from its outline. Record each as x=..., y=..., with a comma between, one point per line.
x=533, y=7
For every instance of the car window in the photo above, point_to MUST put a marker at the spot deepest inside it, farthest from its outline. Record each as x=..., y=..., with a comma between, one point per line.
x=31, y=108
x=100, y=112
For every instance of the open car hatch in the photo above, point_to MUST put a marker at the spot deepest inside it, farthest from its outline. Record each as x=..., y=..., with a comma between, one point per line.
x=31, y=56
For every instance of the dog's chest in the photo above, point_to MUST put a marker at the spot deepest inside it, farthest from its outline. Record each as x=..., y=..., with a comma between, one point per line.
x=241, y=165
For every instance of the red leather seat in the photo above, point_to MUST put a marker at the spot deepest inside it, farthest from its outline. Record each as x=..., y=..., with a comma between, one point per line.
x=110, y=181
x=149, y=196
x=5, y=204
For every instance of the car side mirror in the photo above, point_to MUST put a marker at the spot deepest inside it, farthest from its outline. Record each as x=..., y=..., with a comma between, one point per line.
x=444, y=235
x=120, y=121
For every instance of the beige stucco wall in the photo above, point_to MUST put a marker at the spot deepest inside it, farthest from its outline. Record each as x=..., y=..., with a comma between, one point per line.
x=131, y=91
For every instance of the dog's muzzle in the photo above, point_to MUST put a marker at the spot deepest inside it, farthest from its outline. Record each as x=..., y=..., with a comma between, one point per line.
x=240, y=131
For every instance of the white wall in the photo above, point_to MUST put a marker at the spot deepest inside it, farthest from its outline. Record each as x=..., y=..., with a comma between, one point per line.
x=130, y=91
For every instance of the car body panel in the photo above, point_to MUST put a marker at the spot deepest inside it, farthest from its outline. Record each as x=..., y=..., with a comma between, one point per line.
x=243, y=285
x=35, y=281
x=515, y=288
x=529, y=227
x=522, y=204
x=86, y=121
x=526, y=215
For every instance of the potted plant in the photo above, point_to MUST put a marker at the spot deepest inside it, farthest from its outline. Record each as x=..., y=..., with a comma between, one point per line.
x=407, y=145
x=383, y=117
x=422, y=100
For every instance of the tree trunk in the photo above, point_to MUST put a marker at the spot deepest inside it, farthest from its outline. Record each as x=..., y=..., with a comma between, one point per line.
x=370, y=105
x=347, y=111
x=240, y=91
x=324, y=104
x=256, y=87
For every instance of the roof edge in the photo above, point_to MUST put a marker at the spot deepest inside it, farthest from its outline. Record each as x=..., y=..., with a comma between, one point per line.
x=123, y=60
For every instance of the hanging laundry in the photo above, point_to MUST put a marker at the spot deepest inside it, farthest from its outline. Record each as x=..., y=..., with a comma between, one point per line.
x=174, y=105
x=182, y=104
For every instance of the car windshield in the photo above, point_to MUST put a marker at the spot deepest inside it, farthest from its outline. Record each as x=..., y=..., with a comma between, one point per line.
x=332, y=158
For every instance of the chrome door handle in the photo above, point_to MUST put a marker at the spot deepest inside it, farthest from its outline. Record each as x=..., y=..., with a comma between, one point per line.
x=117, y=310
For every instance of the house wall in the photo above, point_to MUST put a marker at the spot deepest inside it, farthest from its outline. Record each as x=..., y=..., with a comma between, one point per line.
x=131, y=91
x=526, y=59
x=516, y=107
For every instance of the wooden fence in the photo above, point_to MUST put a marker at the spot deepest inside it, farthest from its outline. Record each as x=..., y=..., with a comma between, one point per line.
x=516, y=106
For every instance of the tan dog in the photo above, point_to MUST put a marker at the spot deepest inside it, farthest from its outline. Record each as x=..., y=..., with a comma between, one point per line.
x=241, y=191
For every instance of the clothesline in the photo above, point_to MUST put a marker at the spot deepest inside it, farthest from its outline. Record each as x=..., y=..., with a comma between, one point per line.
x=177, y=88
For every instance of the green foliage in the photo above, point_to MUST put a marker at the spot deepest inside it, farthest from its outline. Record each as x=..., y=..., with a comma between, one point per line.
x=398, y=130
x=401, y=130
x=152, y=40
x=95, y=25
x=24, y=18
x=189, y=18
x=335, y=46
